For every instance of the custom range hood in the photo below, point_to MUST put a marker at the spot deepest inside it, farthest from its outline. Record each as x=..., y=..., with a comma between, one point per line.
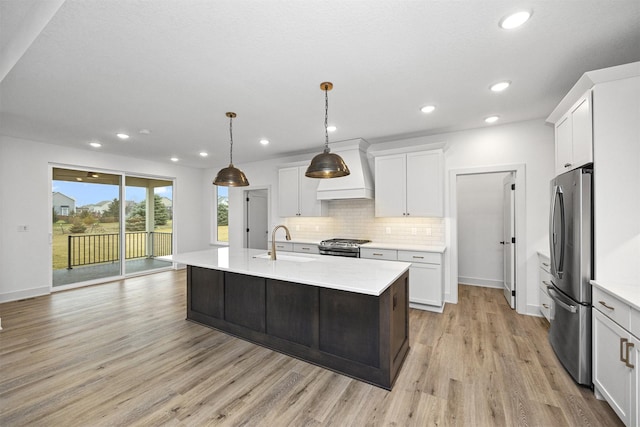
x=358, y=184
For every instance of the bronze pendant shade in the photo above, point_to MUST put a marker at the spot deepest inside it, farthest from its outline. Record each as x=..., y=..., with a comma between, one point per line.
x=231, y=176
x=327, y=164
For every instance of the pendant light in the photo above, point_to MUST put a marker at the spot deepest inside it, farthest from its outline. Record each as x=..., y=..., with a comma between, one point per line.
x=231, y=176
x=327, y=164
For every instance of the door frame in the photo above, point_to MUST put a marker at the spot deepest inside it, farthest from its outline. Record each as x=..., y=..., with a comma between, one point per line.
x=451, y=291
x=244, y=209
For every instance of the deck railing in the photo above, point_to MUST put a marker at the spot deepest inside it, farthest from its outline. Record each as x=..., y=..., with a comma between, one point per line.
x=90, y=249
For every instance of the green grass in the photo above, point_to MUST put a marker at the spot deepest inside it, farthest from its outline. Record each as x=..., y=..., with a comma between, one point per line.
x=61, y=235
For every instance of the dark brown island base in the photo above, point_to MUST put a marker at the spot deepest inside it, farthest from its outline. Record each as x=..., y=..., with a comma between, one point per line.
x=363, y=336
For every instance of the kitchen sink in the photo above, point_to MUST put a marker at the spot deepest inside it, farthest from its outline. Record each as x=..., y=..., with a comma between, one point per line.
x=282, y=257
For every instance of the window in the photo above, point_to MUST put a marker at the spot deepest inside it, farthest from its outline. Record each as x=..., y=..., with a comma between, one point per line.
x=222, y=214
x=64, y=210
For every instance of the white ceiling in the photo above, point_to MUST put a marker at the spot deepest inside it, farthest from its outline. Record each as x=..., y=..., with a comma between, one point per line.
x=176, y=66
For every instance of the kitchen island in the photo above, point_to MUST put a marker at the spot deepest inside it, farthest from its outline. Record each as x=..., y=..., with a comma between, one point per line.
x=349, y=315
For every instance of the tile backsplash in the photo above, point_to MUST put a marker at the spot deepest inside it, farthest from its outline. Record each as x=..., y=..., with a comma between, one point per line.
x=355, y=219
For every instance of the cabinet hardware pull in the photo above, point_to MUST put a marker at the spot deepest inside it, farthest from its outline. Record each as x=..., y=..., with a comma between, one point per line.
x=566, y=165
x=606, y=306
x=545, y=305
x=377, y=254
x=629, y=365
x=546, y=264
x=305, y=249
x=404, y=213
x=418, y=257
x=623, y=341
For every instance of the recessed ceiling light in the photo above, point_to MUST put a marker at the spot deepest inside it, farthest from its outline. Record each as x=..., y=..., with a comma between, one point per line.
x=428, y=109
x=500, y=86
x=174, y=159
x=514, y=20
x=122, y=135
x=95, y=144
x=331, y=128
x=204, y=154
x=264, y=141
x=491, y=119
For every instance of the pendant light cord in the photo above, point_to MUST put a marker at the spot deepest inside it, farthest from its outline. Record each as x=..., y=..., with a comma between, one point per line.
x=326, y=119
x=231, y=136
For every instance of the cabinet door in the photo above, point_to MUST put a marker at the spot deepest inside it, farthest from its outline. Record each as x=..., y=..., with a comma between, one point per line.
x=308, y=204
x=611, y=377
x=391, y=183
x=581, y=122
x=564, y=145
x=425, y=184
x=288, y=192
x=425, y=284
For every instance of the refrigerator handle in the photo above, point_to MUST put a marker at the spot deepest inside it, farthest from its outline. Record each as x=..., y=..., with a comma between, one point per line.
x=557, y=266
x=556, y=298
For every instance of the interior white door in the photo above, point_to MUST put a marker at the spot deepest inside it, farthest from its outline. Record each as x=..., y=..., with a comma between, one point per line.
x=508, y=237
x=257, y=228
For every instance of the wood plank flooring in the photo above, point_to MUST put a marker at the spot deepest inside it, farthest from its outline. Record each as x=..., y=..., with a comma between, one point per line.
x=122, y=353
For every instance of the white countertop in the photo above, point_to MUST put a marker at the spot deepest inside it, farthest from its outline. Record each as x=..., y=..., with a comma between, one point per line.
x=628, y=293
x=405, y=247
x=364, y=276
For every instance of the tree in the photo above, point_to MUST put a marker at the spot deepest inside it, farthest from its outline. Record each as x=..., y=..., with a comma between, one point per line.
x=223, y=211
x=113, y=210
x=139, y=211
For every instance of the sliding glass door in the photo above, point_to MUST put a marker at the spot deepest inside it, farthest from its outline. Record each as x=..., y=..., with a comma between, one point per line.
x=86, y=226
x=93, y=227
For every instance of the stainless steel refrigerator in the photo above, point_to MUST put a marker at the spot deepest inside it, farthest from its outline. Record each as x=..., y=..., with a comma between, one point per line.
x=571, y=250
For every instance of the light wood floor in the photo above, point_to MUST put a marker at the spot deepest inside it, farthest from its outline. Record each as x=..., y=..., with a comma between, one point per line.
x=123, y=354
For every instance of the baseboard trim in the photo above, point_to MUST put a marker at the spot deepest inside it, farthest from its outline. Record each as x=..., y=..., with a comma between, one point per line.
x=23, y=294
x=475, y=281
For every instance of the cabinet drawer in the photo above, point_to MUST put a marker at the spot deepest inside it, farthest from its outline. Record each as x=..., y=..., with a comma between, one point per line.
x=612, y=307
x=305, y=248
x=420, y=257
x=283, y=246
x=388, y=254
x=545, y=302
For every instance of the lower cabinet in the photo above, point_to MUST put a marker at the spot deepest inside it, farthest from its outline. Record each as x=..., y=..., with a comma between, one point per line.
x=544, y=280
x=615, y=366
x=426, y=283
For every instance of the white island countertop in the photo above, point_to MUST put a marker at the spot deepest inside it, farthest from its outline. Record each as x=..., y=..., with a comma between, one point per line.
x=363, y=276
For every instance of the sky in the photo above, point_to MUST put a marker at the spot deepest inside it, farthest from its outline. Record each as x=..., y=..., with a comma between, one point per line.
x=86, y=193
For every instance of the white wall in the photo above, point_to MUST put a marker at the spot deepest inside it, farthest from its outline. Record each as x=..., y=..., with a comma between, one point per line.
x=530, y=143
x=480, y=229
x=25, y=191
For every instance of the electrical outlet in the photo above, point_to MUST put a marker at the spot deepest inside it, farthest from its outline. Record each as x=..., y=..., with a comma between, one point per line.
x=387, y=230
x=317, y=228
x=297, y=228
x=427, y=231
x=414, y=231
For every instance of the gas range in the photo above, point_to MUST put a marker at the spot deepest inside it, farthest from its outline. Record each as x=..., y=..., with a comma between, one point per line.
x=342, y=247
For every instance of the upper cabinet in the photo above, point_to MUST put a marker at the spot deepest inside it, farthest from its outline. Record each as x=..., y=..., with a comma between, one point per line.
x=409, y=184
x=574, y=136
x=297, y=193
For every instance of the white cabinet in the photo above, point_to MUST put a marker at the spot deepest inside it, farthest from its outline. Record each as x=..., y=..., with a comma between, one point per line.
x=297, y=194
x=409, y=184
x=544, y=280
x=281, y=246
x=426, y=284
x=574, y=136
x=615, y=356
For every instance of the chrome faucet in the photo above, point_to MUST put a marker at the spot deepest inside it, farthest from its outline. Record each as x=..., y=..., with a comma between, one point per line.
x=273, y=239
